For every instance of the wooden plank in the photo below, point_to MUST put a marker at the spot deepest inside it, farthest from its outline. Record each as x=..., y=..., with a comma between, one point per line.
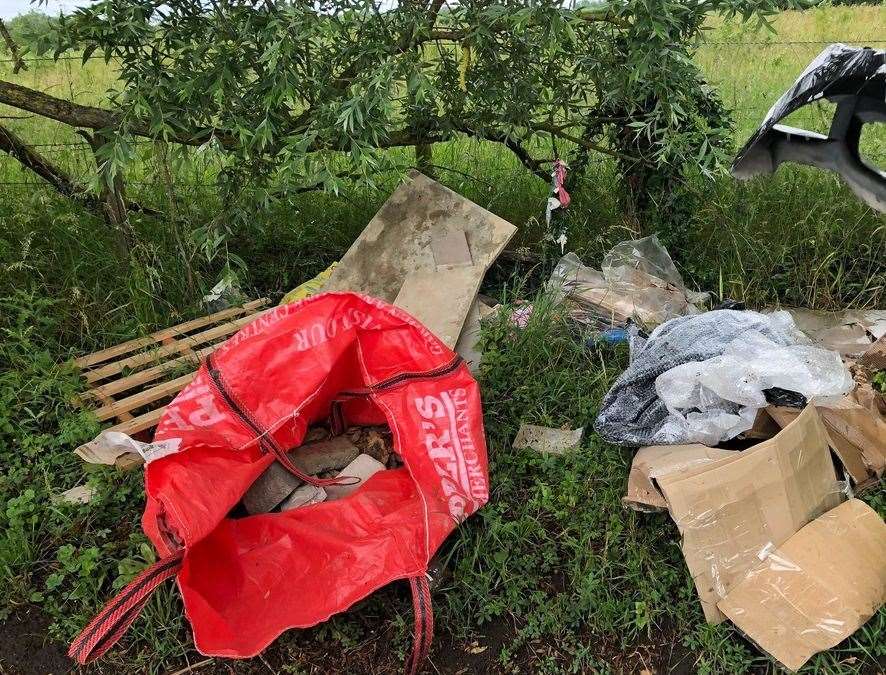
x=125, y=405
x=166, y=333
x=182, y=345
x=147, y=375
x=140, y=423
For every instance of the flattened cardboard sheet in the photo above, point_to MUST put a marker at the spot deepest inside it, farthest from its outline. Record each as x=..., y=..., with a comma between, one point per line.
x=817, y=588
x=733, y=511
x=654, y=461
x=397, y=240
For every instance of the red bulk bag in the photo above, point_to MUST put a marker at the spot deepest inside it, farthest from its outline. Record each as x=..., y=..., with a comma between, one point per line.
x=342, y=357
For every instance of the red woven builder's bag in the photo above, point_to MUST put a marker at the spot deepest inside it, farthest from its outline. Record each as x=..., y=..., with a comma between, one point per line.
x=337, y=357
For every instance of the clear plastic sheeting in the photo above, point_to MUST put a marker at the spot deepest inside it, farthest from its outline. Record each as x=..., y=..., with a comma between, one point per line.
x=637, y=281
x=701, y=379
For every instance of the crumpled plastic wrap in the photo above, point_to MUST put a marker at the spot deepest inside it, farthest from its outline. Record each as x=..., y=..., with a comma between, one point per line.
x=637, y=281
x=701, y=379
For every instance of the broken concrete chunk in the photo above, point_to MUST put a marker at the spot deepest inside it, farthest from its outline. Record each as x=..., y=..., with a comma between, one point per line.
x=303, y=496
x=441, y=299
x=546, y=439
x=654, y=461
x=450, y=249
x=817, y=588
x=360, y=469
x=733, y=511
x=277, y=483
x=397, y=240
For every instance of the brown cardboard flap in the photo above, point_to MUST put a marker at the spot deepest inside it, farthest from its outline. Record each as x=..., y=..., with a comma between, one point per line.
x=817, y=588
x=654, y=461
x=857, y=436
x=733, y=511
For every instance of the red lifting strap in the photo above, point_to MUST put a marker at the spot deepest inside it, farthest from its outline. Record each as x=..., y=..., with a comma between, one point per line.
x=117, y=616
x=110, y=624
x=424, y=623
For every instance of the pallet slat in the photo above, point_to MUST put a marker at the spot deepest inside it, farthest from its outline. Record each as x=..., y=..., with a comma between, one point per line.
x=130, y=403
x=140, y=423
x=151, y=358
x=166, y=334
x=147, y=375
x=183, y=344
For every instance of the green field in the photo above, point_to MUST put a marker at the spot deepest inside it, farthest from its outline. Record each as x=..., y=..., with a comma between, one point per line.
x=553, y=575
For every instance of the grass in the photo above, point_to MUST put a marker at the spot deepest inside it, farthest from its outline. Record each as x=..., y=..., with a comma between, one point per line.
x=553, y=575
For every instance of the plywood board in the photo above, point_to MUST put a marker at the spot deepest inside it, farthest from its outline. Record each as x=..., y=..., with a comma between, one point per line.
x=441, y=299
x=397, y=241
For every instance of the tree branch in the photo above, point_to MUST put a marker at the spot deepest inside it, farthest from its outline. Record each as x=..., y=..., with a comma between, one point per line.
x=13, y=145
x=13, y=49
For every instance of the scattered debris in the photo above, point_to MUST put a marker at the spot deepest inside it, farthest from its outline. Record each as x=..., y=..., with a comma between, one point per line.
x=875, y=356
x=850, y=332
x=853, y=79
x=637, y=281
x=815, y=589
x=82, y=494
x=856, y=436
x=733, y=511
x=655, y=461
x=702, y=379
x=546, y=439
x=108, y=447
x=361, y=469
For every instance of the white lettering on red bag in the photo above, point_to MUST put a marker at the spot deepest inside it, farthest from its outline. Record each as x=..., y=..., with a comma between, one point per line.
x=448, y=441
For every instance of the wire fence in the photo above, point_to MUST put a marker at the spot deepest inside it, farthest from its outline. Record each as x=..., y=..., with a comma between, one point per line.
x=747, y=83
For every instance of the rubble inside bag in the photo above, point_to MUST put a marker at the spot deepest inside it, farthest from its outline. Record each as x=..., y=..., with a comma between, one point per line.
x=702, y=379
x=733, y=511
x=637, y=281
x=817, y=588
x=356, y=454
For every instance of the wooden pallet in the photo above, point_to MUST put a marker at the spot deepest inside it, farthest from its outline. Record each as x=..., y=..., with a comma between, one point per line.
x=132, y=382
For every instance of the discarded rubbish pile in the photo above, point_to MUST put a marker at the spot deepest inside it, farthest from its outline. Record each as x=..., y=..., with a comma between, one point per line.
x=327, y=448
x=769, y=536
x=702, y=379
